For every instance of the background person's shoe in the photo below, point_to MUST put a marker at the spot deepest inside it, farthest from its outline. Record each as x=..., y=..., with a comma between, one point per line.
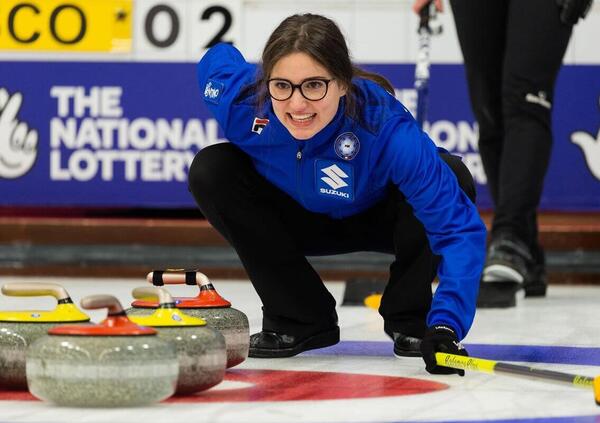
x=406, y=346
x=509, y=266
x=508, y=259
x=266, y=344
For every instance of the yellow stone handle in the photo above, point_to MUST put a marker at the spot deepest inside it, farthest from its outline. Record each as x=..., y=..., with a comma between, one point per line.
x=32, y=289
x=152, y=293
x=110, y=302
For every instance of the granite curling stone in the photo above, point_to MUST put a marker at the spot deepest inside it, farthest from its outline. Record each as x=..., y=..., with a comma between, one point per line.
x=208, y=305
x=19, y=329
x=200, y=348
x=112, y=364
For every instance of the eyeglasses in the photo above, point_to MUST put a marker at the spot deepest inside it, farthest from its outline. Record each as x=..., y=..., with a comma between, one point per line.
x=311, y=89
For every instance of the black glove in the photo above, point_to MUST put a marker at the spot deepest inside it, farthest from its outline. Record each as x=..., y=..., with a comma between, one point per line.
x=572, y=10
x=440, y=338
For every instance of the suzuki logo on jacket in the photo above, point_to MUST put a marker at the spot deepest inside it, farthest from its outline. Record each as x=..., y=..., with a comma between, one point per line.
x=335, y=179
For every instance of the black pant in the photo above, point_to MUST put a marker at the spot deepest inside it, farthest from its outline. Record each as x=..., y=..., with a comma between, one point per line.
x=273, y=234
x=512, y=51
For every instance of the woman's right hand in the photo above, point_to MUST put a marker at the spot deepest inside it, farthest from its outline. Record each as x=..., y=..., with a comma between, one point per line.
x=419, y=4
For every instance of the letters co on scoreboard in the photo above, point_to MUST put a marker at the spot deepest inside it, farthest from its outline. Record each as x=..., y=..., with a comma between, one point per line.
x=141, y=29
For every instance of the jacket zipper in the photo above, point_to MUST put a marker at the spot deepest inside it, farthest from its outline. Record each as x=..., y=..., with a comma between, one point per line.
x=299, y=172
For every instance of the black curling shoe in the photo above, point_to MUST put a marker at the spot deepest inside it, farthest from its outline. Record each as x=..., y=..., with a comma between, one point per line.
x=406, y=346
x=276, y=345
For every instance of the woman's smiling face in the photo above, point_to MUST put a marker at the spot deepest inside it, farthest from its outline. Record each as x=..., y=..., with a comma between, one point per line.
x=304, y=118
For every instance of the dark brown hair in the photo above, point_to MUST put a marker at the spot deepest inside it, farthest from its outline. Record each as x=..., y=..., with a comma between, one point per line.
x=320, y=38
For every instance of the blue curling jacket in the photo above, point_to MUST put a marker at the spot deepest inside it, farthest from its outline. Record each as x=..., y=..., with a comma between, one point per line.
x=348, y=167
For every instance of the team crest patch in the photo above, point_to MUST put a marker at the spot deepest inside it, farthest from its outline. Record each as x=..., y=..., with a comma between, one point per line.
x=213, y=90
x=335, y=179
x=347, y=146
x=259, y=124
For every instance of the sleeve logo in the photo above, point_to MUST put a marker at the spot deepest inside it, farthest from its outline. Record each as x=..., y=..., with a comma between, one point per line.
x=259, y=124
x=213, y=90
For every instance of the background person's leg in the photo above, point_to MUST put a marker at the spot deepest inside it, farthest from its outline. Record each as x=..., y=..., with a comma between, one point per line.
x=535, y=46
x=481, y=30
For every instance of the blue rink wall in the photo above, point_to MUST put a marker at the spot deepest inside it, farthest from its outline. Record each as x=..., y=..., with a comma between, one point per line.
x=95, y=134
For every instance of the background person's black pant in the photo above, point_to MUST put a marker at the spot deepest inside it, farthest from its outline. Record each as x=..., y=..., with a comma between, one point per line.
x=273, y=234
x=512, y=51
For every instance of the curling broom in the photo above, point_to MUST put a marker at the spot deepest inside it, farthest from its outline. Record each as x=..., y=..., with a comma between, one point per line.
x=492, y=367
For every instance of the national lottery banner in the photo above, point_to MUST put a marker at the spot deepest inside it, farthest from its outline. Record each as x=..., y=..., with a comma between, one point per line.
x=125, y=137
x=99, y=105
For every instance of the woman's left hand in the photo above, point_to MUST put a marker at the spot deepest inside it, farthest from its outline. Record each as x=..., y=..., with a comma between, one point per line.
x=441, y=338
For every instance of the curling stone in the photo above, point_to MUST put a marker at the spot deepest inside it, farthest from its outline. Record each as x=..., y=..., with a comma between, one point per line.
x=112, y=364
x=19, y=329
x=200, y=348
x=208, y=305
